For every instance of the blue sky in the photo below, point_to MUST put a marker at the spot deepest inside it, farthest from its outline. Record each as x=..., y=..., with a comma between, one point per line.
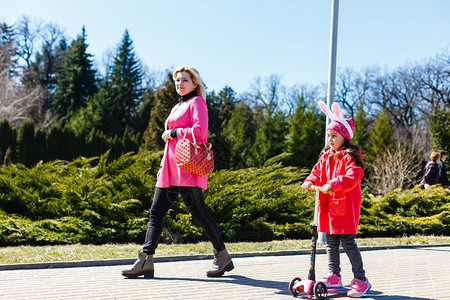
x=232, y=42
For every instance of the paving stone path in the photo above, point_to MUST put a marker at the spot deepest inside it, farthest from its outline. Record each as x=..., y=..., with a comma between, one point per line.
x=414, y=273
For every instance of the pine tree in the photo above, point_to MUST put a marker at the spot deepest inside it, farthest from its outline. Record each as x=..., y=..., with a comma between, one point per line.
x=145, y=109
x=126, y=84
x=46, y=68
x=214, y=107
x=41, y=145
x=165, y=98
x=96, y=143
x=382, y=134
x=7, y=50
x=306, y=134
x=361, y=136
x=228, y=103
x=8, y=141
x=77, y=80
x=26, y=144
x=55, y=143
x=99, y=113
x=239, y=134
x=270, y=137
x=220, y=108
x=440, y=130
x=129, y=143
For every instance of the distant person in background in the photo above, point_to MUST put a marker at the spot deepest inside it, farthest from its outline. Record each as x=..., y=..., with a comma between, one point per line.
x=442, y=171
x=432, y=170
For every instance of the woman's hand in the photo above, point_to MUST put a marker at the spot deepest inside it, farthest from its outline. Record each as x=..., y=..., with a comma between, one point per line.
x=166, y=136
x=306, y=184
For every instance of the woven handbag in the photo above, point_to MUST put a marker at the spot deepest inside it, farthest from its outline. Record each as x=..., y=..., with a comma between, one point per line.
x=198, y=160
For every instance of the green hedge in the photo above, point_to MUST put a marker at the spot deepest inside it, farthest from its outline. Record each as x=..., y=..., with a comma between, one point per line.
x=415, y=211
x=99, y=200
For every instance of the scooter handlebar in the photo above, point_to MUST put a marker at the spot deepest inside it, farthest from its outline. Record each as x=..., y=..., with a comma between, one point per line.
x=313, y=188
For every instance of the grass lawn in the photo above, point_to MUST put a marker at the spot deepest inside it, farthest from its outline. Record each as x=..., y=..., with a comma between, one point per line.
x=35, y=254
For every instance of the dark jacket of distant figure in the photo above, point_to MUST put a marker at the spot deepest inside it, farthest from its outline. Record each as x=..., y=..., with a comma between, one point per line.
x=443, y=174
x=431, y=173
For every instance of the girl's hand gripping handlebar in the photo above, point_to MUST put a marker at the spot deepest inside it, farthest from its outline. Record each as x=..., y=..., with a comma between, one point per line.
x=313, y=188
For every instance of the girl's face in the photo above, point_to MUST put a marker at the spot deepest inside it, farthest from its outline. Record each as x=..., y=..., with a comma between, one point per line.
x=184, y=84
x=335, y=140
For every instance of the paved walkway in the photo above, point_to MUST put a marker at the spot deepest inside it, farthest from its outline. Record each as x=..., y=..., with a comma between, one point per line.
x=402, y=273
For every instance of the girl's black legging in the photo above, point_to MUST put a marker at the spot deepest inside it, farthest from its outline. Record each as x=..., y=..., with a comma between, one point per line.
x=194, y=200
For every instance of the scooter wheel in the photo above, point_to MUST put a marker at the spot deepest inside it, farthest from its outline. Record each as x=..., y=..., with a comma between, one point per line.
x=320, y=290
x=294, y=292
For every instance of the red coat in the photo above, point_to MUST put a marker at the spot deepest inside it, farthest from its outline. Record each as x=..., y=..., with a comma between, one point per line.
x=339, y=212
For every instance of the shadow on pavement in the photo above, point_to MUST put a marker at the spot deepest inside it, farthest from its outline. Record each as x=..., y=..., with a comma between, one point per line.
x=379, y=296
x=281, y=286
x=234, y=279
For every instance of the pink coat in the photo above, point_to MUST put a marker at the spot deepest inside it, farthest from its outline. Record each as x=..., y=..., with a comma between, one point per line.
x=192, y=113
x=339, y=212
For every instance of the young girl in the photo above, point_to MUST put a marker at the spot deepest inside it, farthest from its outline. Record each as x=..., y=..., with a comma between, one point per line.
x=339, y=172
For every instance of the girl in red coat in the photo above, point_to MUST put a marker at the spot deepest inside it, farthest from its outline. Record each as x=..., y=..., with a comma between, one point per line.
x=339, y=172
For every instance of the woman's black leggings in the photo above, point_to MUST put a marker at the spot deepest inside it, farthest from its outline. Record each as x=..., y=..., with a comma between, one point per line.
x=194, y=200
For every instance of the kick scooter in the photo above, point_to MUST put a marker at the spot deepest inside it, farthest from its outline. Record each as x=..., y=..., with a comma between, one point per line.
x=311, y=286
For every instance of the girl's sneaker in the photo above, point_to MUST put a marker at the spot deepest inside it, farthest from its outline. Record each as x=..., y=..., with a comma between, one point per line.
x=359, y=288
x=333, y=280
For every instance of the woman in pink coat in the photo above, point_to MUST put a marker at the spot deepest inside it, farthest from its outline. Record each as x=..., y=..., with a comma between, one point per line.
x=338, y=175
x=189, y=117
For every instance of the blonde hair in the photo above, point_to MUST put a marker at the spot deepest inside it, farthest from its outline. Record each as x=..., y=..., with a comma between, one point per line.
x=434, y=156
x=195, y=77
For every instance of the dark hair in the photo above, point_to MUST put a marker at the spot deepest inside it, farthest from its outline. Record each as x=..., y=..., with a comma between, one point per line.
x=442, y=152
x=353, y=150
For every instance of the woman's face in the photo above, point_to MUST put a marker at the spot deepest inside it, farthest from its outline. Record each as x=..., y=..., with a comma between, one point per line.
x=184, y=84
x=335, y=140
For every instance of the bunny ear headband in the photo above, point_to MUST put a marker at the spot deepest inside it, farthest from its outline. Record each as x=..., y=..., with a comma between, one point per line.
x=342, y=126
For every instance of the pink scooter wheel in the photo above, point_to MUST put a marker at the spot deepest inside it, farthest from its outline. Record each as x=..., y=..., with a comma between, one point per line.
x=294, y=292
x=320, y=290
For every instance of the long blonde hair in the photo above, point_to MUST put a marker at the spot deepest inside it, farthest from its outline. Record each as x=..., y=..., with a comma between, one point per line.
x=195, y=77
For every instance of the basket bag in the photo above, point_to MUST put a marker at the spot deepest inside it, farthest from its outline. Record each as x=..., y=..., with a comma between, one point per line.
x=191, y=157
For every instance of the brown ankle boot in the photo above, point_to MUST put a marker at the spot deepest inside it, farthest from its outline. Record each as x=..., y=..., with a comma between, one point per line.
x=222, y=263
x=142, y=266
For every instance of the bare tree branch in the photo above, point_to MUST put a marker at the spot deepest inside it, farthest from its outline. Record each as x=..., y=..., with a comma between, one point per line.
x=394, y=169
x=27, y=33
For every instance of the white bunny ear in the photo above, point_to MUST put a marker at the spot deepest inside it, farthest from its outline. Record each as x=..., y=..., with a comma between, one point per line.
x=326, y=110
x=337, y=110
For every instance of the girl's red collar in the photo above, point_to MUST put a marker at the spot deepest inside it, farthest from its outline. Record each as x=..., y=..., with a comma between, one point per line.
x=337, y=154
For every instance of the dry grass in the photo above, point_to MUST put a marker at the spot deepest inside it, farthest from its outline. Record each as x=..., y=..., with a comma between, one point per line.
x=30, y=254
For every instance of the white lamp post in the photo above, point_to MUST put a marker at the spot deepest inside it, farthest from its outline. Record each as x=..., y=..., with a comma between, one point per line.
x=331, y=77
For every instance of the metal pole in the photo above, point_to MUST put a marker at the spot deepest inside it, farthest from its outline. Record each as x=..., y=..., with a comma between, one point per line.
x=333, y=51
x=331, y=76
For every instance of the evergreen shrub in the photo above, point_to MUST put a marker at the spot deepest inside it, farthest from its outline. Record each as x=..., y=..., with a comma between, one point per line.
x=105, y=200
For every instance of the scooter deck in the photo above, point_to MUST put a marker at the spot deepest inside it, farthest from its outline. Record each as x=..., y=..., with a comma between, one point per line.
x=341, y=289
x=298, y=287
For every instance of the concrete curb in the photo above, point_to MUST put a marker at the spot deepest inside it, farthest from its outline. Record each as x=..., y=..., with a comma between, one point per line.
x=128, y=261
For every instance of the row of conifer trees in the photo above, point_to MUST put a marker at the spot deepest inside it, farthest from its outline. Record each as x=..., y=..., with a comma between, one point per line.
x=29, y=146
